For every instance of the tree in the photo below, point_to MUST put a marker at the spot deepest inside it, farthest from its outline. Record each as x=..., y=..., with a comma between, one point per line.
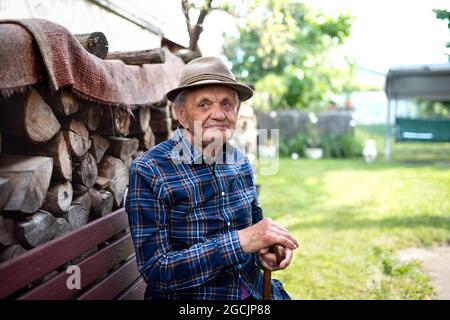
x=444, y=15
x=284, y=48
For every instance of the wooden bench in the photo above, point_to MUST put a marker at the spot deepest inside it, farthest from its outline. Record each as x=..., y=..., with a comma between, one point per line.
x=104, y=252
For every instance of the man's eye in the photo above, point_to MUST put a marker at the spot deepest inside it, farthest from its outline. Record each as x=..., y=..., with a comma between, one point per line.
x=204, y=105
x=227, y=104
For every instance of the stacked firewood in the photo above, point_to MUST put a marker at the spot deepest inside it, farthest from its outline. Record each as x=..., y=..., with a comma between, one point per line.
x=64, y=162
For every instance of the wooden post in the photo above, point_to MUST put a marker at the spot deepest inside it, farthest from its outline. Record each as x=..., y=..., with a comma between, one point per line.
x=140, y=120
x=59, y=198
x=77, y=138
x=30, y=179
x=139, y=57
x=85, y=171
x=99, y=145
x=102, y=202
x=78, y=213
x=11, y=252
x=115, y=121
x=115, y=170
x=95, y=43
x=122, y=148
x=90, y=115
x=62, y=102
x=7, y=236
x=56, y=148
x=29, y=118
x=36, y=229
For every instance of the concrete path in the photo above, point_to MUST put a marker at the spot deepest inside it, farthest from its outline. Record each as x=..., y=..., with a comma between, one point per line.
x=436, y=262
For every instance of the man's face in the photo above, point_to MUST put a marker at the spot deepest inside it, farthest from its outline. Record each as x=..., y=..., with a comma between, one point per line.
x=210, y=113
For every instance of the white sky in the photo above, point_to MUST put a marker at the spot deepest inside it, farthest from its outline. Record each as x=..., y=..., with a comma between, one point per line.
x=385, y=32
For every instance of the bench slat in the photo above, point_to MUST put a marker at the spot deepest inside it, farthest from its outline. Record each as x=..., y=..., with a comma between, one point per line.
x=91, y=268
x=40, y=261
x=135, y=292
x=110, y=287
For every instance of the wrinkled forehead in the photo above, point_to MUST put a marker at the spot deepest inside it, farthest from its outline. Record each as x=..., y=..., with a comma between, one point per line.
x=212, y=93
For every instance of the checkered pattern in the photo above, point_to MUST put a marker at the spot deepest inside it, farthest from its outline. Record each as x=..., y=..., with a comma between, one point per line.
x=184, y=216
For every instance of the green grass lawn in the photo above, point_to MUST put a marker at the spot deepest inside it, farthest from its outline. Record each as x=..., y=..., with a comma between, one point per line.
x=351, y=219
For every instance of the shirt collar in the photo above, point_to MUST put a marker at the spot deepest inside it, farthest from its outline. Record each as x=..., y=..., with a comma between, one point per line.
x=184, y=151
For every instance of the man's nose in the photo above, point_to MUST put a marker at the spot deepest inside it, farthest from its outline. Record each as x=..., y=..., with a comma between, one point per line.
x=217, y=112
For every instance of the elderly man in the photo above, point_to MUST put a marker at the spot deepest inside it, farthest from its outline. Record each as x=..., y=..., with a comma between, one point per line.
x=192, y=204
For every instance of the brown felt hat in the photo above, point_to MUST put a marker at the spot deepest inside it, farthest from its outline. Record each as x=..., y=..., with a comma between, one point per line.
x=209, y=70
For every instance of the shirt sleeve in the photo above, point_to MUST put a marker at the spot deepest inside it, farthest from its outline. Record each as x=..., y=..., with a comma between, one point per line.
x=161, y=267
x=257, y=212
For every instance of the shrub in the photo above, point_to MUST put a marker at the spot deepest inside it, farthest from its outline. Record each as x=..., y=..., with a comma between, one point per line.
x=341, y=146
x=333, y=145
x=296, y=144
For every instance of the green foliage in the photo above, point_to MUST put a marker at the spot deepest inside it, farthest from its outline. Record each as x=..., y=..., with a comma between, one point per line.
x=297, y=144
x=334, y=146
x=443, y=15
x=286, y=49
x=427, y=108
x=341, y=146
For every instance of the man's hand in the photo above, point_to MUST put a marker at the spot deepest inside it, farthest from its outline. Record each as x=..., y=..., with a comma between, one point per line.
x=269, y=260
x=265, y=234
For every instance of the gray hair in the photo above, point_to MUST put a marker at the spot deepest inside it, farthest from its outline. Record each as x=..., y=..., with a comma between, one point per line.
x=180, y=99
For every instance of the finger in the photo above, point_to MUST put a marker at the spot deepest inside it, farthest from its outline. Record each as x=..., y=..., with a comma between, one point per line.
x=264, y=250
x=287, y=260
x=270, y=257
x=280, y=227
x=286, y=242
x=268, y=266
x=286, y=235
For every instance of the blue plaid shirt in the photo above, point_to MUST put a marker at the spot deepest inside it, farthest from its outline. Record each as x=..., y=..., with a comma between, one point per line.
x=184, y=215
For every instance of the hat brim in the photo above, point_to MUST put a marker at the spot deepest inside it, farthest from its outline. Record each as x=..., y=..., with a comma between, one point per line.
x=244, y=92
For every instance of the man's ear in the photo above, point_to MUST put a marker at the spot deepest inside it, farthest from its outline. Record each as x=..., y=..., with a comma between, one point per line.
x=181, y=115
x=238, y=107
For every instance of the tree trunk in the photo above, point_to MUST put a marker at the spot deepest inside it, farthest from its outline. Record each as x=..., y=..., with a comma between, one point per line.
x=11, y=251
x=122, y=148
x=36, y=229
x=102, y=183
x=102, y=202
x=95, y=43
x=78, y=213
x=98, y=147
x=128, y=162
x=115, y=170
x=29, y=118
x=30, y=179
x=55, y=148
x=85, y=171
x=5, y=192
x=77, y=138
x=139, y=57
x=188, y=55
x=138, y=154
x=62, y=102
x=62, y=227
x=90, y=115
x=7, y=236
x=59, y=198
x=79, y=189
x=146, y=140
x=141, y=120
x=114, y=122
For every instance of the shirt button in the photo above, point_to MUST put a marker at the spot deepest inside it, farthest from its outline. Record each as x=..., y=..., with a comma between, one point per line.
x=228, y=223
x=223, y=193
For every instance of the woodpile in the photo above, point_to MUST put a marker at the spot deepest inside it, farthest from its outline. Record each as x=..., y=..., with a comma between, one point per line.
x=64, y=162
